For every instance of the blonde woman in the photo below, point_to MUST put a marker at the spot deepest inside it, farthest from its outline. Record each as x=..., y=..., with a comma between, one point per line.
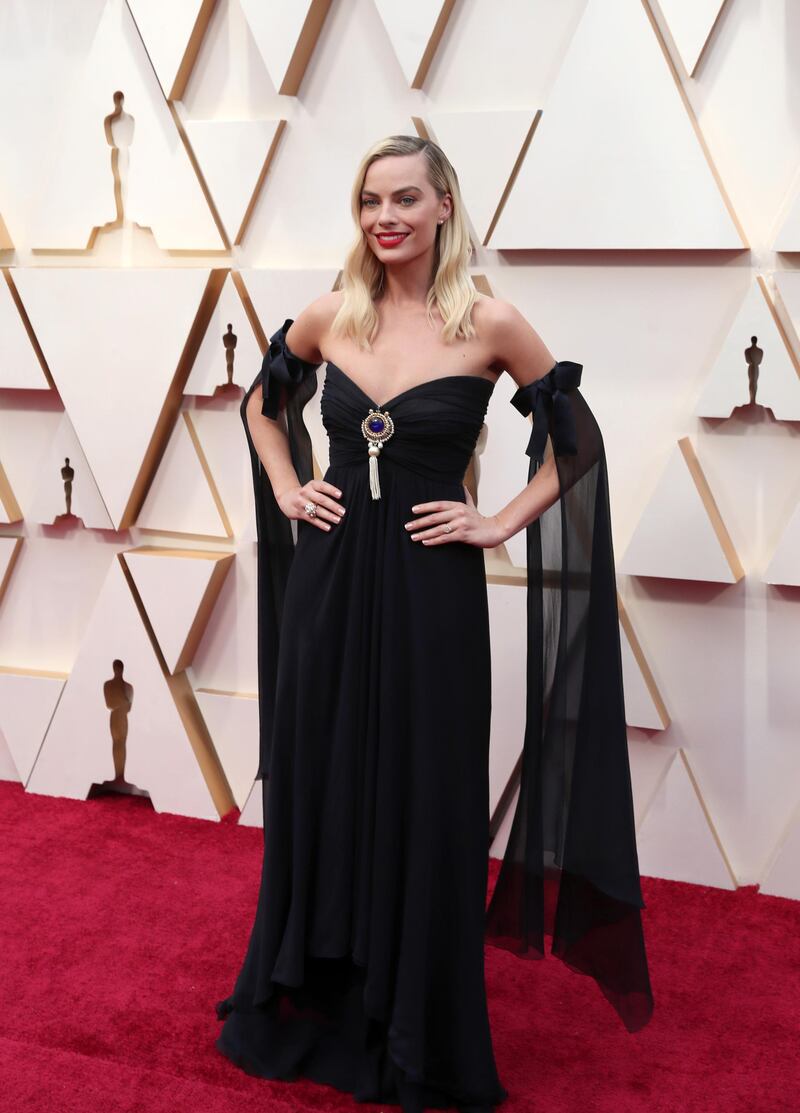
x=365, y=965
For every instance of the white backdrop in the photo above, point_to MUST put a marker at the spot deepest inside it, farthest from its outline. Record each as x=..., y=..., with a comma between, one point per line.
x=631, y=174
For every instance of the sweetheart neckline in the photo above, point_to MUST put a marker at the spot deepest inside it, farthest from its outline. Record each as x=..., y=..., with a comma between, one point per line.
x=390, y=401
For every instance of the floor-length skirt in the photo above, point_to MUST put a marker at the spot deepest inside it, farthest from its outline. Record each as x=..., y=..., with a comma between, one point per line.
x=365, y=964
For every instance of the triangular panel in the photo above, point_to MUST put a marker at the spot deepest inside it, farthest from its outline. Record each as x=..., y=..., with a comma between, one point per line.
x=232, y=721
x=78, y=747
x=178, y=589
x=756, y=335
x=676, y=839
x=159, y=188
x=209, y=371
x=179, y=499
x=171, y=34
x=644, y=706
x=49, y=500
x=415, y=28
x=221, y=439
x=485, y=146
x=113, y=340
x=690, y=24
x=27, y=703
x=234, y=157
x=278, y=294
x=285, y=32
x=600, y=172
x=20, y=368
x=681, y=534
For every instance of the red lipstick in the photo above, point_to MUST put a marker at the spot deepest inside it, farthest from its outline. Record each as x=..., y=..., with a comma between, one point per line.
x=390, y=239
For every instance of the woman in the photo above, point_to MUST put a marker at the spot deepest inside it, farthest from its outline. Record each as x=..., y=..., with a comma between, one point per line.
x=364, y=968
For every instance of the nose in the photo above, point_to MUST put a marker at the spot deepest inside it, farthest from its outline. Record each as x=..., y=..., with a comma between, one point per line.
x=387, y=216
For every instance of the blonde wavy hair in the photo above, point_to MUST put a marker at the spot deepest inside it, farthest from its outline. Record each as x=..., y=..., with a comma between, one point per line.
x=452, y=291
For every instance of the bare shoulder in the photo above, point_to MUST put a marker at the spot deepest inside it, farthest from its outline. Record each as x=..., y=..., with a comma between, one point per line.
x=310, y=326
x=515, y=344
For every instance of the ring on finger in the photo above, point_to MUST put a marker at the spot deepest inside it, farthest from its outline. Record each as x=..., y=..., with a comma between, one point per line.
x=311, y=509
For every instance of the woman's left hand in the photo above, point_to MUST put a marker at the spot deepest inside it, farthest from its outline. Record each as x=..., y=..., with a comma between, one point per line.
x=467, y=524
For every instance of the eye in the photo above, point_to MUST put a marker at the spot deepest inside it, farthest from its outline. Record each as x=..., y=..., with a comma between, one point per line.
x=367, y=201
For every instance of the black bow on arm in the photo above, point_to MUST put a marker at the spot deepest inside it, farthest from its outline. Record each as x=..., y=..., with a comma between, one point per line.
x=281, y=370
x=570, y=867
x=282, y=374
x=546, y=398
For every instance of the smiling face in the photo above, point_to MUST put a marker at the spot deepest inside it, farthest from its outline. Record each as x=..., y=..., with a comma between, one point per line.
x=400, y=209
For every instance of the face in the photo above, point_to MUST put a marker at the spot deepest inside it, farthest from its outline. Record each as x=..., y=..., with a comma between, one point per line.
x=400, y=210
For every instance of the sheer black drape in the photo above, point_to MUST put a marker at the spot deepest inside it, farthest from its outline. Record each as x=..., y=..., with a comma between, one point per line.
x=570, y=869
x=282, y=374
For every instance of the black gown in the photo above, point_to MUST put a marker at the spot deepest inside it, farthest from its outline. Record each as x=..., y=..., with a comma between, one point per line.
x=364, y=968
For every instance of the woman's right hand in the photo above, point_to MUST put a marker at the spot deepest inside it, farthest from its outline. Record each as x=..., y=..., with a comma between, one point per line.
x=322, y=494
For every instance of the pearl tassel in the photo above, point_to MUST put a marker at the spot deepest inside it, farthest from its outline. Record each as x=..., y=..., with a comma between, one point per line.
x=374, y=481
x=377, y=427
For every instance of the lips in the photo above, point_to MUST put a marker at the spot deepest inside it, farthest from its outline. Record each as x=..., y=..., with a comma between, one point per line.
x=390, y=239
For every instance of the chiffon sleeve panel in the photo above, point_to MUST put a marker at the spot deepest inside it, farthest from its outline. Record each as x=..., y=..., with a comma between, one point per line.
x=570, y=869
x=283, y=376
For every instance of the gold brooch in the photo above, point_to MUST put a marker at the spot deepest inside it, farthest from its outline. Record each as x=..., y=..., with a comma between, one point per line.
x=377, y=427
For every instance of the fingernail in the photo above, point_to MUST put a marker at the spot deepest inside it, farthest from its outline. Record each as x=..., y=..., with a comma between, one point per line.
x=327, y=525
x=341, y=510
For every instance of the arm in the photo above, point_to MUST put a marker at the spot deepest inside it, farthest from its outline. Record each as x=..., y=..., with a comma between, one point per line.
x=515, y=346
x=523, y=353
x=271, y=443
x=270, y=436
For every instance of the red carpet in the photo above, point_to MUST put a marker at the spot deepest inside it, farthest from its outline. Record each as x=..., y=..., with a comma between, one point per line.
x=120, y=928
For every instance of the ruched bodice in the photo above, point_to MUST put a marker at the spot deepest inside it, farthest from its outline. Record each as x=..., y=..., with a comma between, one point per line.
x=436, y=423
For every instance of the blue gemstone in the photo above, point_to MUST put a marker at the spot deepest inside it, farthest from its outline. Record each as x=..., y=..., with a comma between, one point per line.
x=376, y=424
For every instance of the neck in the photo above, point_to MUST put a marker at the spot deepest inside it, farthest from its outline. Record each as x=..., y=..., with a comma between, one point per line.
x=407, y=284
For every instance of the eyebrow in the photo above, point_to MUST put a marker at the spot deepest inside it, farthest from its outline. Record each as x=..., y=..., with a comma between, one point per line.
x=405, y=189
